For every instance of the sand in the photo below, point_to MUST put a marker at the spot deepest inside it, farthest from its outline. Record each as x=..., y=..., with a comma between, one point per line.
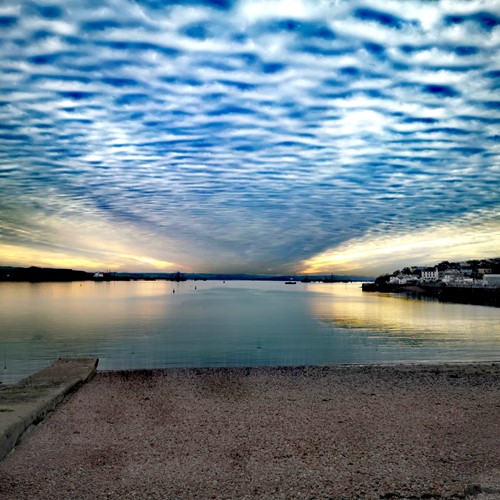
x=325, y=432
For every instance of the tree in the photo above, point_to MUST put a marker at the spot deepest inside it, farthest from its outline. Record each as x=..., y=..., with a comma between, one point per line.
x=383, y=279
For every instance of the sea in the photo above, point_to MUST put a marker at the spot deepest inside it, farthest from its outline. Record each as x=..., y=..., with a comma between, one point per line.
x=162, y=324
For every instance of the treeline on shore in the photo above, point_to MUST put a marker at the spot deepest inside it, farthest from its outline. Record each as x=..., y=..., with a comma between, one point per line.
x=36, y=274
x=42, y=274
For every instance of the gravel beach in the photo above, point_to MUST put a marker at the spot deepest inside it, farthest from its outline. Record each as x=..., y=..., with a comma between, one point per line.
x=339, y=432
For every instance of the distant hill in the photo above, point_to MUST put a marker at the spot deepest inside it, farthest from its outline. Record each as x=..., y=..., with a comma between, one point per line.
x=34, y=274
x=249, y=277
x=37, y=274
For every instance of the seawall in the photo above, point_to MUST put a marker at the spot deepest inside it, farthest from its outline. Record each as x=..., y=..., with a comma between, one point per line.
x=461, y=295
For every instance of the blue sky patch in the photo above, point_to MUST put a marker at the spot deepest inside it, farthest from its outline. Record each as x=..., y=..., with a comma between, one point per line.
x=204, y=131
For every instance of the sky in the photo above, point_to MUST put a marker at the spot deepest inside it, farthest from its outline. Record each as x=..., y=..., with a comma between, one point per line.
x=269, y=136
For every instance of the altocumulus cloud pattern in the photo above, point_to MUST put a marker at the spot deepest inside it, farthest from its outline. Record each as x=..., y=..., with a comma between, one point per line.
x=248, y=135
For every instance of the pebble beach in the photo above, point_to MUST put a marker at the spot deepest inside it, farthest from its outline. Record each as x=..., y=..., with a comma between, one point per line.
x=338, y=432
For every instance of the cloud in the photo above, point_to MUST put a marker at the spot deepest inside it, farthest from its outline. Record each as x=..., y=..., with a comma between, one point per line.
x=246, y=135
x=473, y=237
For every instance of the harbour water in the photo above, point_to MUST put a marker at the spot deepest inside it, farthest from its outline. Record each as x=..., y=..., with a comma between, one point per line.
x=144, y=324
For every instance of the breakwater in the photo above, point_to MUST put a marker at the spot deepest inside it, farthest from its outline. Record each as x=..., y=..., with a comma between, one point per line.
x=458, y=294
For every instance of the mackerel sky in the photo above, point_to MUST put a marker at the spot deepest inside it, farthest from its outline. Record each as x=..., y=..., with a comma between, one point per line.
x=249, y=136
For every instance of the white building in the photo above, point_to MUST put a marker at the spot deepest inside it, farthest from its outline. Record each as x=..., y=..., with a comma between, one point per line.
x=430, y=274
x=450, y=276
x=484, y=270
x=492, y=279
x=403, y=279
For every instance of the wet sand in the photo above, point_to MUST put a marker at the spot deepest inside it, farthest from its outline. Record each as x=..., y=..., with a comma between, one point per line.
x=325, y=432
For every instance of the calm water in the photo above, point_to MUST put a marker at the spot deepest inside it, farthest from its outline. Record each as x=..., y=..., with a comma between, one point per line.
x=146, y=325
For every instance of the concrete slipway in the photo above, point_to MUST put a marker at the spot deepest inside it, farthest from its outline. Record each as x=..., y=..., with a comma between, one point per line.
x=25, y=404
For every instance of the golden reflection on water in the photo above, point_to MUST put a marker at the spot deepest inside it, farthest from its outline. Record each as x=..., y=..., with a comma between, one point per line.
x=83, y=310
x=347, y=307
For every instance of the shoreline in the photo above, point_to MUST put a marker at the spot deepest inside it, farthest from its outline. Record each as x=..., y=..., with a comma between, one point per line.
x=409, y=364
x=345, y=431
x=477, y=296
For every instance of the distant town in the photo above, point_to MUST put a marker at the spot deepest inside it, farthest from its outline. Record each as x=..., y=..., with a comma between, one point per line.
x=472, y=273
x=468, y=282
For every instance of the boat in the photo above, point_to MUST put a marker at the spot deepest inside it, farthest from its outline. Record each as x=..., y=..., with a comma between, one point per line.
x=98, y=276
x=291, y=282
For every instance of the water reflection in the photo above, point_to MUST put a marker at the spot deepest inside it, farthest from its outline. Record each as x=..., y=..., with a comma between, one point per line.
x=413, y=318
x=145, y=325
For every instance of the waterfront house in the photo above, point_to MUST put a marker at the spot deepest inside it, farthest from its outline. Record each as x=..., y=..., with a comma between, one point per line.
x=450, y=276
x=492, y=279
x=430, y=274
x=484, y=270
x=403, y=279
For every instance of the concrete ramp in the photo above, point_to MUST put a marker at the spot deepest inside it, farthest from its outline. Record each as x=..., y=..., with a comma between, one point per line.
x=25, y=404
